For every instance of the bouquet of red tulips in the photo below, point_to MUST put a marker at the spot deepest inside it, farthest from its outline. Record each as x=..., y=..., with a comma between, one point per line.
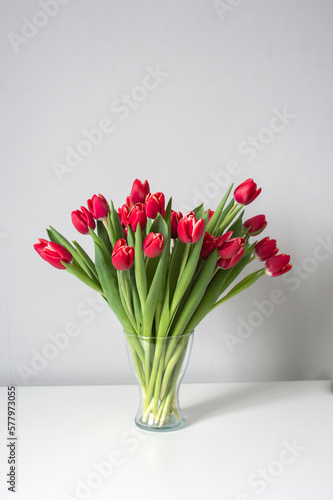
x=161, y=272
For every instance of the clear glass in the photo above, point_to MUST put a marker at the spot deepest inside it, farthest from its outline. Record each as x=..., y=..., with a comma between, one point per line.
x=159, y=364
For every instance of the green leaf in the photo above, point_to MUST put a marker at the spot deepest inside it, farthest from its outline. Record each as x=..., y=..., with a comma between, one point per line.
x=55, y=236
x=159, y=226
x=229, y=217
x=211, y=295
x=167, y=217
x=108, y=278
x=175, y=263
x=241, y=286
x=237, y=226
x=199, y=211
x=130, y=237
x=85, y=257
x=190, y=268
x=104, y=236
x=136, y=300
x=116, y=224
x=165, y=315
x=215, y=221
x=221, y=281
x=226, y=211
x=96, y=239
x=196, y=293
x=125, y=296
x=140, y=267
x=111, y=230
x=152, y=297
x=83, y=277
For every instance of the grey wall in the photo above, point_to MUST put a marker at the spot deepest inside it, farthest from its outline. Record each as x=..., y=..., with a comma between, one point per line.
x=241, y=89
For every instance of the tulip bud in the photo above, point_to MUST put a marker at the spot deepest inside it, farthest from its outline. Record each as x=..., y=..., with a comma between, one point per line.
x=230, y=248
x=155, y=204
x=210, y=213
x=246, y=192
x=98, y=207
x=137, y=215
x=175, y=218
x=208, y=245
x=229, y=263
x=265, y=249
x=278, y=264
x=190, y=230
x=153, y=245
x=123, y=213
x=223, y=238
x=255, y=225
x=139, y=192
x=53, y=253
x=82, y=220
x=122, y=255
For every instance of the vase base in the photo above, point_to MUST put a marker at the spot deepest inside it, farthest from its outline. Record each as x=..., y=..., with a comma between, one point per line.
x=171, y=424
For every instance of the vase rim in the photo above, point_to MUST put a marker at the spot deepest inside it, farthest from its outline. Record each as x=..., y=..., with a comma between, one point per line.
x=156, y=337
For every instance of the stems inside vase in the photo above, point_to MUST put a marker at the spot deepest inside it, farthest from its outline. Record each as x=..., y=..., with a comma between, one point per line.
x=159, y=377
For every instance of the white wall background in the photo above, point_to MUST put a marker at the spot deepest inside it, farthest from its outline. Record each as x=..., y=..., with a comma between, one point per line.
x=226, y=74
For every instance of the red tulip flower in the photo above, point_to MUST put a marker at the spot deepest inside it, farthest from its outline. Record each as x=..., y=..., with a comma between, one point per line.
x=98, y=207
x=255, y=225
x=153, y=245
x=278, y=264
x=230, y=247
x=139, y=191
x=230, y=250
x=53, y=253
x=122, y=255
x=123, y=213
x=175, y=218
x=208, y=245
x=229, y=263
x=155, y=204
x=129, y=201
x=137, y=215
x=82, y=220
x=246, y=192
x=265, y=249
x=190, y=230
x=223, y=238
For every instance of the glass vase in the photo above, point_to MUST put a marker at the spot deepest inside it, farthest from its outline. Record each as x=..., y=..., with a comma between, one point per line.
x=159, y=364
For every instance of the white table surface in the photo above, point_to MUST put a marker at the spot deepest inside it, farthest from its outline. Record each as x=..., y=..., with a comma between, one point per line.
x=242, y=441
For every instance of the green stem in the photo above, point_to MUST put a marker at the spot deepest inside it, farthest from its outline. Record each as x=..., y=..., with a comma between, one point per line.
x=147, y=351
x=126, y=295
x=135, y=344
x=170, y=404
x=145, y=415
x=171, y=364
x=230, y=215
x=242, y=285
x=139, y=371
x=158, y=384
x=184, y=261
x=110, y=229
x=166, y=407
x=153, y=376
